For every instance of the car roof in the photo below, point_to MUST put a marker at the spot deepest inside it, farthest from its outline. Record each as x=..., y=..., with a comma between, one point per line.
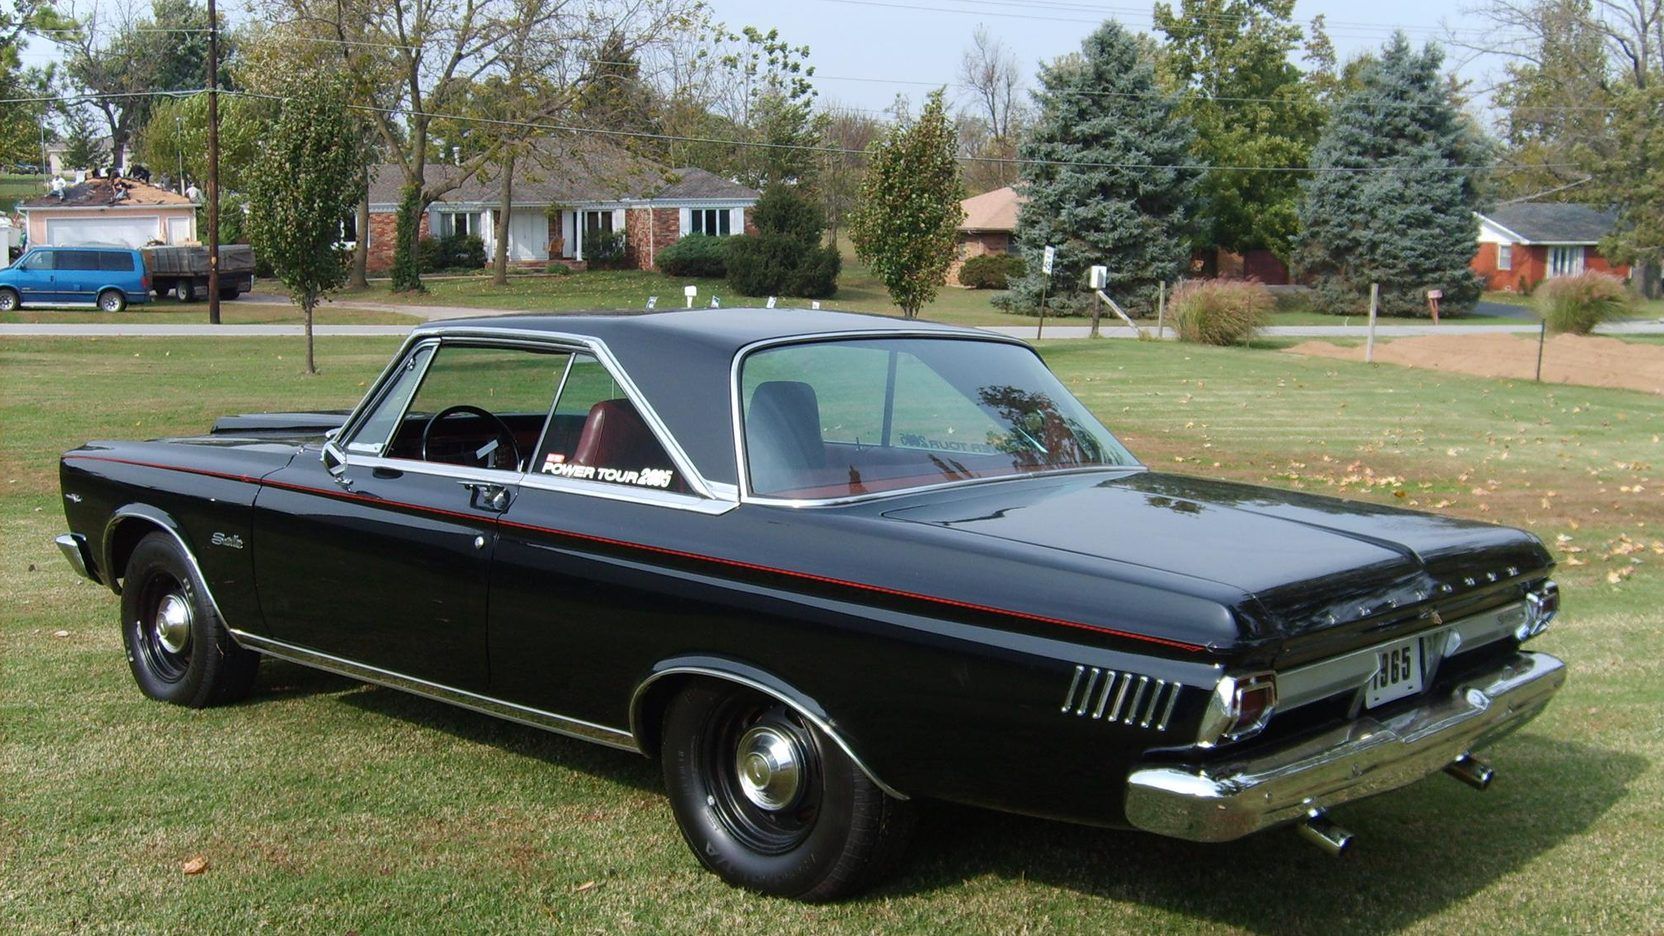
x=682, y=360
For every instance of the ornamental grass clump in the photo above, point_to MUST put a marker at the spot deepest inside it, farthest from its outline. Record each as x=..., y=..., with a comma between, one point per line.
x=1220, y=312
x=1576, y=304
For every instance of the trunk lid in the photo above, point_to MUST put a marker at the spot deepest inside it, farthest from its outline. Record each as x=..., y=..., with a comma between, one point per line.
x=1309, y=563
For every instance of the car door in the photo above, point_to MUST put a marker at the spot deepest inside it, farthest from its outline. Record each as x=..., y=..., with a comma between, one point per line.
x=76, y=274
x=380, y=551
x=35, y=282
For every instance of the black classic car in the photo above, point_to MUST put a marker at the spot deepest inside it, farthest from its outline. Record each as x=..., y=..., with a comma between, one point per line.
x=821, y=566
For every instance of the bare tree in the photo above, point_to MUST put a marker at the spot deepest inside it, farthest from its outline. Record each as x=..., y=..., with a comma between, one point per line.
x=992, y=119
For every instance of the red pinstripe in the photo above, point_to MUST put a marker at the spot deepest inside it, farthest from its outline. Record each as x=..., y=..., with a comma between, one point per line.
x=662, y=550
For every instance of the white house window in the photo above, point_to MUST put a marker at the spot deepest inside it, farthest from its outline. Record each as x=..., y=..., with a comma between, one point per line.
x=1505, y=256
x=713, y=221
x=459, y=223
x=597, y=223
x=1565, y=261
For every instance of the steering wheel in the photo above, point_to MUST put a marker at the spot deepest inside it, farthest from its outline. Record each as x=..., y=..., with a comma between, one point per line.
x=486, y=455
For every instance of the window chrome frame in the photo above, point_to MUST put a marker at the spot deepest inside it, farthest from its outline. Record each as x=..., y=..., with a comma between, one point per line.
x=742, y=467
x=705, y=497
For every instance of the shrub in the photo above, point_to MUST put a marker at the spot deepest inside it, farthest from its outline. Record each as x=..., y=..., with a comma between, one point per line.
x=1576, y=304
x=785, y=257
x=454, y=252
x=558, y=268
x=1220, y=312
x=607, y=250
x=699, y=255
x=992, y=271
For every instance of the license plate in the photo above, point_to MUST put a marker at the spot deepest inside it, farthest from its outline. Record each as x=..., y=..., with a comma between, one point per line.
x=1398, y=673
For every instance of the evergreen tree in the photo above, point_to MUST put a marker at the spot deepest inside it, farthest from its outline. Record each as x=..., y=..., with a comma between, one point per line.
x=1108, y=175
x=1392, y=193
x=909, y=213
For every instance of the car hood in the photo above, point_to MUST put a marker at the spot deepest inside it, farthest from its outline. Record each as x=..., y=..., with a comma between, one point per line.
x=1307, y=562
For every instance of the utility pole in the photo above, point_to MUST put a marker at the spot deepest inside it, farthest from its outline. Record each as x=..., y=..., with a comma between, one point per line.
x=213, y=165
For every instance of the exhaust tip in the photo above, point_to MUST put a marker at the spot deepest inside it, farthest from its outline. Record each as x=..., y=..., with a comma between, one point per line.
x=1471, y=771
x=1325, y=834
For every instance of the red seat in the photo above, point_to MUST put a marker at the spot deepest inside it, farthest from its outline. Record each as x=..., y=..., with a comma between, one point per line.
x=615, y=436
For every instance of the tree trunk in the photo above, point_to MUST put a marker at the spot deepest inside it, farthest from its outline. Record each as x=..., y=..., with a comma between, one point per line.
x=407, y=276
x=307, y=304
x=1646, y=275
x=359, y=276
x=499, y=259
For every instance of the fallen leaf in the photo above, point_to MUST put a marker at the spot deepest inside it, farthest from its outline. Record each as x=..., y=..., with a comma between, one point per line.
x=585, y=886
x=62, y=633
x=195, y=865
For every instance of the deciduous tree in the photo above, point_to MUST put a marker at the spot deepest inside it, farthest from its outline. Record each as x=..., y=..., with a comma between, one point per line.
x=304, y=184
x=909, y=214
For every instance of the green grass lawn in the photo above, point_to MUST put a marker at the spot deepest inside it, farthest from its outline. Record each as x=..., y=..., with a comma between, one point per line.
x=1644, y=308
x=237, y=312
x=14, y=188
x=326, y=806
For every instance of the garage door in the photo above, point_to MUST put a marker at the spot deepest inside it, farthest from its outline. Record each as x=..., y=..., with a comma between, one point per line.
x=127, y=231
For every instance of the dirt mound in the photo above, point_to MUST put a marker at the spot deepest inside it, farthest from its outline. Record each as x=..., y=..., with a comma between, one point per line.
x=1573, y=359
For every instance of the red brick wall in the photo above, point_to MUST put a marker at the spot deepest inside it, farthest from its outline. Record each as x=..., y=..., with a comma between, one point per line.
x=383, y=232
x=969, y=244
x=1530, y=266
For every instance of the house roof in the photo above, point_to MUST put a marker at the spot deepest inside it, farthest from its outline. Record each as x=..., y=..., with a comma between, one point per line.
x=992, y=211
x=98, y=193
x=1552, y=222
x=583, y=172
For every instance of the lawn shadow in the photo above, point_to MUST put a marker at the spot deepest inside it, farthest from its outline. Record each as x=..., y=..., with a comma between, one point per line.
x=621, y=767
x=1418, y=850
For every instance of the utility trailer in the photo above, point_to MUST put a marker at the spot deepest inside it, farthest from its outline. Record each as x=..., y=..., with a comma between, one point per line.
x=183, y=270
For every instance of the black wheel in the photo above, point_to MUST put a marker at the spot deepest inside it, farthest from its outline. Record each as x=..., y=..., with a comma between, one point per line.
x=9, y=300
x=178, y=648
x=112, y=300
x=769, y=803
x=185, y=290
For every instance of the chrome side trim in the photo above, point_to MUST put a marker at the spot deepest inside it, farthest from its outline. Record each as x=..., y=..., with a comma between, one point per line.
x=525, y=715
x=814, y=718
x=1146, y=711
x=74, y=548
x=1350, y=671
x=1220, y=801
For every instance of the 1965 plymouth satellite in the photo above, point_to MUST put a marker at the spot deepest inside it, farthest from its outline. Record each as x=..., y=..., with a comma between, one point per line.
x=820, y=565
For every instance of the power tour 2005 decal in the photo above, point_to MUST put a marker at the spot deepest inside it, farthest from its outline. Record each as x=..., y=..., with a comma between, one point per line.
x=556, y=464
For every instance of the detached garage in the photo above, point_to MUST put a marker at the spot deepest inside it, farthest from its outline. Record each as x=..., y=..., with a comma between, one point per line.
x=110, y=213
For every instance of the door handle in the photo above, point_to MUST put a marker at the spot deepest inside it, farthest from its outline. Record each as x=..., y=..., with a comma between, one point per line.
x=492, y=496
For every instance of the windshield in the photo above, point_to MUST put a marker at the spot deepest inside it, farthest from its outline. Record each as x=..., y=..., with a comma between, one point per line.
x=844, y=418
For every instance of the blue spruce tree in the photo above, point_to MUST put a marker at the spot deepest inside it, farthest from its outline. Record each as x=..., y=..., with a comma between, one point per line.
x=1109, y=177
x=1392, y=192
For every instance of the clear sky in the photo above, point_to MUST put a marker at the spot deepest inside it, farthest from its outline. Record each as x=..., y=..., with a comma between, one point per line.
x=885, y=42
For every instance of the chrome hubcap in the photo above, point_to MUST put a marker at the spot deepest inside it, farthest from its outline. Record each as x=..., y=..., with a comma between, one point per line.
x=173, y=623
x=770, y=767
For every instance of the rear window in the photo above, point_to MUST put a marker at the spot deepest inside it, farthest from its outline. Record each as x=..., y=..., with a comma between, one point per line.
x=115, y=261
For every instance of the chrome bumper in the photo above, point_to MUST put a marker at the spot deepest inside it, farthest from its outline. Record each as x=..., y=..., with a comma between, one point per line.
x=1224, y=801
x=74, y=547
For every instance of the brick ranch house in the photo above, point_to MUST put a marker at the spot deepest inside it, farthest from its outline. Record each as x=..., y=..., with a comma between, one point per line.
x=989, y=227
x=1522, y=245
x=559, y=208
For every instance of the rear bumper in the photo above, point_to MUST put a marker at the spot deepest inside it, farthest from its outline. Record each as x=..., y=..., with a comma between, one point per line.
x=74, y=547
x=1220, y=802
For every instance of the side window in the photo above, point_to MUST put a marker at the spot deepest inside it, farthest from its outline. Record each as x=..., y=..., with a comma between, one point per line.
x=472, y=405
x=78, y=260
x=115, y=261
x=41, y=261
x=597, y=434
x=371, y=437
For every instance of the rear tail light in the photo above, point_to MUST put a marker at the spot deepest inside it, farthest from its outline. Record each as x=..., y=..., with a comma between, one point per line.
x=1239, y=708
x=1541, y=605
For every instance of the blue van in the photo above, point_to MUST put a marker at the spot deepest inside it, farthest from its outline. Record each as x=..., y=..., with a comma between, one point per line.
x=109, y=277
